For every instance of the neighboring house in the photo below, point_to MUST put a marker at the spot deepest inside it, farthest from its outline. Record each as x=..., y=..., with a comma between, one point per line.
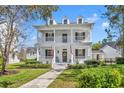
x=97, y=54
x=13, y=58
x=64, y=42
x=31, y=53
x=108, y=51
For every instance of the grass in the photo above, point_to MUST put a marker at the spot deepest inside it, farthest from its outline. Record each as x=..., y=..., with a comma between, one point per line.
x=68, y=79
x=22, y=75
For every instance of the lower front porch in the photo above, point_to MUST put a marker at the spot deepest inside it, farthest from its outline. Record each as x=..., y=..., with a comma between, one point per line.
x=64, y=54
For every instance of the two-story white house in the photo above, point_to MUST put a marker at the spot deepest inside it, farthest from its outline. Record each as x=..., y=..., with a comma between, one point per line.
x=64, y=42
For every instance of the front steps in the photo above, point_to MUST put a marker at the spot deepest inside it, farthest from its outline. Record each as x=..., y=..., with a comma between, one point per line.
x=59, y=66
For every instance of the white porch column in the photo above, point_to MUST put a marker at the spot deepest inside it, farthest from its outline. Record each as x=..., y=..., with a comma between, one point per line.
x=37, y=53
x=54, y=57
x=72, y=47
x=37, y=46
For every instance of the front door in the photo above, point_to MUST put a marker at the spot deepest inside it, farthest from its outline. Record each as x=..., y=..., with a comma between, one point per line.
x=64, y=55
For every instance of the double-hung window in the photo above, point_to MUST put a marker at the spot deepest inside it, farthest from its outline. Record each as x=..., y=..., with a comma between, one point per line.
x=79, y=36
x=51, y=22
x=49, y=53
x=80, y=53
x=49, y=36
x=65, y=21
x=80, y=21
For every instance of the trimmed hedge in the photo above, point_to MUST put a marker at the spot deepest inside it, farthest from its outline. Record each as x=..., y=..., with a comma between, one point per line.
x=91, y=62
x=77, y=66
x=99, y=78
x=36, y=66
x=120, y=60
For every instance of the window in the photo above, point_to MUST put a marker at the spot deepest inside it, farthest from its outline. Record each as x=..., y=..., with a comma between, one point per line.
x=79, y=53
x=80, y=21
x=49, y=36
x=65, y=21
x=64, y=38
x=51, y=21
x=49, y=53
x=79, y=35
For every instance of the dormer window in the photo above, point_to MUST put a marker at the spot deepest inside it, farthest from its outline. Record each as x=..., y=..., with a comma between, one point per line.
x=80, y=21
x=65, y=21
x=51, y=22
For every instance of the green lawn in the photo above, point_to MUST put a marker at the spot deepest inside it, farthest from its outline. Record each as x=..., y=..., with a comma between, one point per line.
x=68, y=79
x=21, y=75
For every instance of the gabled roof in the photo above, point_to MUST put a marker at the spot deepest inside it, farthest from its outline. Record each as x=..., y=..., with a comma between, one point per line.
x=111, y=44
x=31, y=49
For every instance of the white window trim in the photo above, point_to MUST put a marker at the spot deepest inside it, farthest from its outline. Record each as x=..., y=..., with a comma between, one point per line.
x=82, y=37
x=80, y=56
x=68, y=22
x=50, y=37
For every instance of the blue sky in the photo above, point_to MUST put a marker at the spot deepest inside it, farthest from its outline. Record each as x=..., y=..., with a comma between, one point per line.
x=90, y=13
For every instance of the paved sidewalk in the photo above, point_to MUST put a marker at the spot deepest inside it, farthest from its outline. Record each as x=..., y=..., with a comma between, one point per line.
x=44, y=80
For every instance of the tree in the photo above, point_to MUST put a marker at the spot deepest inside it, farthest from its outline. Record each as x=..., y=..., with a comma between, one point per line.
x=115, y=16
x=11, y=32
x=96, y=46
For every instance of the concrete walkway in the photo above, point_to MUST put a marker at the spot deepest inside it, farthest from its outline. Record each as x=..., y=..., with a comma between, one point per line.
x=44, y=80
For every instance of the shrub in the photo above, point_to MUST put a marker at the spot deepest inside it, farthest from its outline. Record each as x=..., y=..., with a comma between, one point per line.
x=91, y=62
x=36, y=66
x=33, y=62
x=99, y=78
x=77, y=66
x=120, y=60
x=101, y=62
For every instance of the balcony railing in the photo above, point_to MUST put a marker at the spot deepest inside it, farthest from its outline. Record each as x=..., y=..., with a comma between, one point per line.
x=61, y=39
x=79, y=57
x=79, y=38
x=49, y=38
x=48, y=57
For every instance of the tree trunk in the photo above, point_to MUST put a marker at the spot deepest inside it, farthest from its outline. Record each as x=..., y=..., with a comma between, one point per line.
x=123, y=38
x=123, y=45
x=4, y=62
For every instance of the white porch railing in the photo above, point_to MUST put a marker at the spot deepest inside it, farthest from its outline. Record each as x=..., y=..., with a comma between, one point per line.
x=61, y=39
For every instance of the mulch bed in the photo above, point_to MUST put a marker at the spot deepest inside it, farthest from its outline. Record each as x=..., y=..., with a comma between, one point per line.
x=9, y=72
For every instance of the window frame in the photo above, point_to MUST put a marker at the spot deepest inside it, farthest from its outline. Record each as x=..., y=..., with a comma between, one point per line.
x=80, y=36
x=80, y=20
x=49, y=37
x=51, y=21
x=78, y=53
x=65, y=21
x=48, y=53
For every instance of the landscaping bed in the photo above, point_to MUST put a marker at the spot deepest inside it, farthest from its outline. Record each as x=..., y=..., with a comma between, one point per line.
x=72, y=78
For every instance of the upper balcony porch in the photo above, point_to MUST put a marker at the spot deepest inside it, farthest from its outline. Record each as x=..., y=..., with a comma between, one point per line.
x=64, y=37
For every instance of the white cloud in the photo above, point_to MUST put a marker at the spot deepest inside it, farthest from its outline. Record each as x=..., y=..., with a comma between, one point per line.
x=93, y=18
x=105, y=24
